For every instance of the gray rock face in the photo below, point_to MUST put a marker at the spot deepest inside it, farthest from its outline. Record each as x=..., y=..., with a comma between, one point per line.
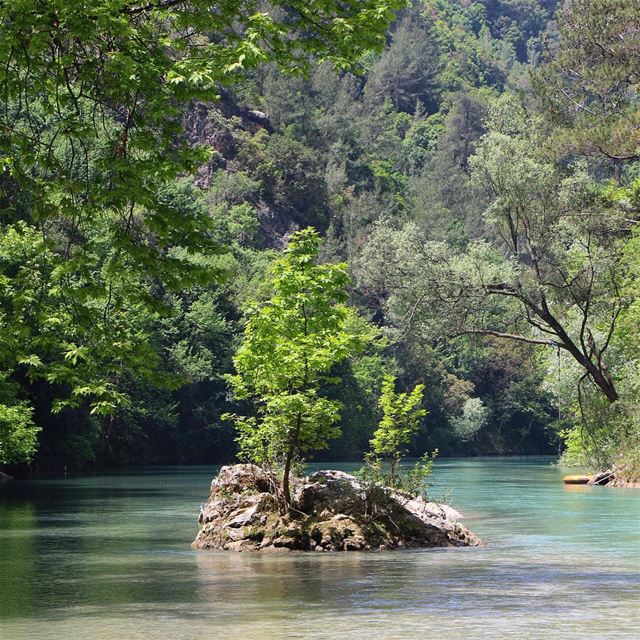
x=331, y=511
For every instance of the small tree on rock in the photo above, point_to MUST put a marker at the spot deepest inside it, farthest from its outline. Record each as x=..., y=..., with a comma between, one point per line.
x=290, y=345
x=401, y=413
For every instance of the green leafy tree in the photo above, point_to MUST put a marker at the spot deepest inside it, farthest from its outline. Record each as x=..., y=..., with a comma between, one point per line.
x=557, y=230
x=472, y=418
x=407, y=72
x=293, y=180
x=92, y=148
x=609, y=436
x=401, y=414
x=109, y=265
x=589, y=94
x=590, y=85
x=291, y=343
x=361, y=376
x=548, y=272
x=18, y=433
x=114, y=72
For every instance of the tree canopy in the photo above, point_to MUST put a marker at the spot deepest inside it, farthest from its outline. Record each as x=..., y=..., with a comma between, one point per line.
x=473, y=164
x=96, y=224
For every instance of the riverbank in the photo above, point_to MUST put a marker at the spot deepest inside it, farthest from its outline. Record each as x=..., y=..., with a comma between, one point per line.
x=616, y=478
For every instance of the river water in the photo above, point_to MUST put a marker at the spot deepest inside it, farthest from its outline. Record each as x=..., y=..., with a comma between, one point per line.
x=107, y=557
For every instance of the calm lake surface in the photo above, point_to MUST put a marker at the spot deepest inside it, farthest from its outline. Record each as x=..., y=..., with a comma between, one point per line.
x=109, y=557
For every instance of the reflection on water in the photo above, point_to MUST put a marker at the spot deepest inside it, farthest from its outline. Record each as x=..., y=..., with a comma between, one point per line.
x=108, y=557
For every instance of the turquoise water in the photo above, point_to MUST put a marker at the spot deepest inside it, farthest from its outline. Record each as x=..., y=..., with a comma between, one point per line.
x=107, y=557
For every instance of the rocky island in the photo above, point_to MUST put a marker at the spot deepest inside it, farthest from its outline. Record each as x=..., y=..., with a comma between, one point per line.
x=330, y=511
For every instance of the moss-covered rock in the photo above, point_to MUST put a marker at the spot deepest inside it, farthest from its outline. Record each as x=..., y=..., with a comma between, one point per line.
x=331, y=511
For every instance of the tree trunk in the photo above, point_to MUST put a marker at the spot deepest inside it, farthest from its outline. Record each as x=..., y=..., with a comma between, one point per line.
x=604, y=383
x=597, y=372
x=286, y=490
x=293, y=447
x=394, y=471
x=600, y=378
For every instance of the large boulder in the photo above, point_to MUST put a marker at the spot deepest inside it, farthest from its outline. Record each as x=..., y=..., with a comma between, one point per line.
x=331, y=511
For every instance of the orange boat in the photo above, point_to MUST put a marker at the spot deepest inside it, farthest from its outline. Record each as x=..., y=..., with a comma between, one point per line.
x=576, y=479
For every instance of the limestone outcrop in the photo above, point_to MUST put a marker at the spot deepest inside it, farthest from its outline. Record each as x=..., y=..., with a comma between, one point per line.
x=331, y=511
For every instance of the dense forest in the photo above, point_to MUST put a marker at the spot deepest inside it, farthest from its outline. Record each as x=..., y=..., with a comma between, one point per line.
x=476, y=164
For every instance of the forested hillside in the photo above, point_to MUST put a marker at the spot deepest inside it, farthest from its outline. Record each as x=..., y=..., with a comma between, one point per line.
x=479, y=175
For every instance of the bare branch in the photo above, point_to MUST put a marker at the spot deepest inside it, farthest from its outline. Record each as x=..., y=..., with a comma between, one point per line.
x=511, y=336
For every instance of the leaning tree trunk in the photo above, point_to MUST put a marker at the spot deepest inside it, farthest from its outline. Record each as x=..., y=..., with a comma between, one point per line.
x=596, y=371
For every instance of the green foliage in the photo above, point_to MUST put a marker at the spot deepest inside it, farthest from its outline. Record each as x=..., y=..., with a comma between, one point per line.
x=604, y=436
x=291, y=343
x=73, y=330
x=401, y=413
x=588, y=87
x=628, y=335
x=485, y=43
x=361, y=376
x=461, y=213
x=422, y=138
x=158, y=55
x=407, y=74
x=400, y=421
x=591, y=68
x=292, y=176
x=99, y=227
x=473, y=417
x=412, y=481
x=587, y=449
x=18, y=433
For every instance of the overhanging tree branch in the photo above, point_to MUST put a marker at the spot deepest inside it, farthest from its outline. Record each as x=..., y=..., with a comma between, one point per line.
x=510, y=336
